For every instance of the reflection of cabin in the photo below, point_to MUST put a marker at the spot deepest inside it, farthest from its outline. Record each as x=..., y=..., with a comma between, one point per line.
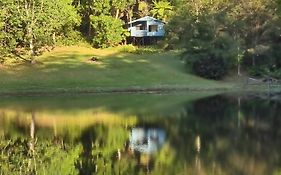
x=146, y=28
x=147, y=140
x=142, y=143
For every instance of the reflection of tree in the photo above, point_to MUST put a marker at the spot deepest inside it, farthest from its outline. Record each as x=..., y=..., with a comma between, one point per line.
x=102, y=147
x=32, y=159
x=224, y=147
x=202, y=138
x=29, y=154
x=86, y=164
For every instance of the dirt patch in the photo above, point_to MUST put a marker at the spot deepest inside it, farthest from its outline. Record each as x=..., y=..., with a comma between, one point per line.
x=94, y=60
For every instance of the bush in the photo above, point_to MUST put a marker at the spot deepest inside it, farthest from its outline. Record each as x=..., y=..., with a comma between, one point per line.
x=263, y=71
x=148, y=50
x=127, y=48
x=210, y=67
x=139, y=50
x=71, y=38
x=210, y=59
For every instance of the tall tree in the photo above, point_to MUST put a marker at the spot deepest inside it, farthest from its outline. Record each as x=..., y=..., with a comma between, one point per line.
x=87, y=8
x=143, y=8
x=253, y=22
x=162, y=9
x=121, y=6
x=108, y=31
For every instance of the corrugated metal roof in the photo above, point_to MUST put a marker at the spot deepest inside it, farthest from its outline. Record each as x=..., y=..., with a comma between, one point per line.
x=146, y=18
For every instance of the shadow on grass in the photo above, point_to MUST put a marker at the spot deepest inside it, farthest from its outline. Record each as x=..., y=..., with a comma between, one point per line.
x=76, y=61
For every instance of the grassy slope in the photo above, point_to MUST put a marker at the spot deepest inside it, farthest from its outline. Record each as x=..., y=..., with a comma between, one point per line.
x=68, y=69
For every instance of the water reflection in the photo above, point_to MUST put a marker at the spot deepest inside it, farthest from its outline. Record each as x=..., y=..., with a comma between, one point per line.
x=147, y=140
x=221, y=134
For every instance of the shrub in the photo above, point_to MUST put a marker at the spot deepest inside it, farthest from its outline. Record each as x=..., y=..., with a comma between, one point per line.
x=263, y=71
x=210, y=59
x=148, y=50
x=71, y=38
x=127, y=48
x=210, y=67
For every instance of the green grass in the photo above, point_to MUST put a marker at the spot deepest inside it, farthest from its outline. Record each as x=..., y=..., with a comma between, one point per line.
x=68, y=69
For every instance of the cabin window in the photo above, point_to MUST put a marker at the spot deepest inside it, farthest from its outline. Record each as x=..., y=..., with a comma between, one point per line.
x=153, y=28
x=140, y=25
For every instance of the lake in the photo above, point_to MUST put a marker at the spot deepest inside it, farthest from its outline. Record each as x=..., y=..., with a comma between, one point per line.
x=200, y=133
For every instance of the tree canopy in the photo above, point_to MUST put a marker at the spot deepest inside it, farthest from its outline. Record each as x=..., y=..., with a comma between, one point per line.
x=242, y=33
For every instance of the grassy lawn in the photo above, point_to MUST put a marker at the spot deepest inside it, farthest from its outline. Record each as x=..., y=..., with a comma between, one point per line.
x=68, y=69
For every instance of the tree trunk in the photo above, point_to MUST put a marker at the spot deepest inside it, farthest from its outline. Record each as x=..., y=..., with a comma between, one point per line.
x=30, y=14
x=88, y=14
x=54, y=39
x=129, y=14
x=238, y=69
x=254, y=60
x=89, y=29
x=255, y=50
x=117, y=14
x=239, y=113
x=31, y=44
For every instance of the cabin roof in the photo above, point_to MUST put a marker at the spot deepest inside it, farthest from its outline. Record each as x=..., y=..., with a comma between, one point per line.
x=146, y=18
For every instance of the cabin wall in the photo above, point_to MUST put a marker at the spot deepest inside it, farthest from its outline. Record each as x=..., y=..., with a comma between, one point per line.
x=150, y=25
x=159, y=31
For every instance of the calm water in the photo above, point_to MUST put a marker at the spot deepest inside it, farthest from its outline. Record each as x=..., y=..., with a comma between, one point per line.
x=196, y=134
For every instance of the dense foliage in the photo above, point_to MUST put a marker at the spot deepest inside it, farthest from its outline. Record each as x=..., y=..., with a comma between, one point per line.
x=28, y=26
x=238, y=33
x=107, y=31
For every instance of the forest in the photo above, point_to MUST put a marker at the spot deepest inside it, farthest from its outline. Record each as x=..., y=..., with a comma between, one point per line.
x=215, y=36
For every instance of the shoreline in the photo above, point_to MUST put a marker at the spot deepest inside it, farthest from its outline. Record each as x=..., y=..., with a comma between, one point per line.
x=129, y=90
x=165, y=89
x=136, y=90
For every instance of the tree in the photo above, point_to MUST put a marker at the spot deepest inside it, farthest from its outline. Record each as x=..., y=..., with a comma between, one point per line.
x=200, y=28
x=252, y=21
x=121, y=6
x=252, y=26
x=63, y=18
x=162, y=9
x=143, y=8
x=29, y=25
x=108, y=31
x=11, y=29
x=87, y=8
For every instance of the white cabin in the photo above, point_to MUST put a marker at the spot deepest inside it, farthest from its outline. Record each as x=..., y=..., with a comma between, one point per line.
x=146, y=27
